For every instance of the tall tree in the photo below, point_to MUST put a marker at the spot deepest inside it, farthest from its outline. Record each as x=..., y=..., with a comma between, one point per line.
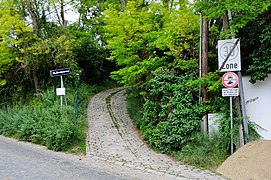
x=30, y=51
x=14, y=32
x=145, y=38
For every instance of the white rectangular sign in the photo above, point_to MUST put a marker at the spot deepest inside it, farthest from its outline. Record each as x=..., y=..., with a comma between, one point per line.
x=233, y=62
x=230, y=92
x=60, y=91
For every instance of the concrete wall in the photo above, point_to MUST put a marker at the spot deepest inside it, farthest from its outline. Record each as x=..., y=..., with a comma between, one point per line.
x=258, y=104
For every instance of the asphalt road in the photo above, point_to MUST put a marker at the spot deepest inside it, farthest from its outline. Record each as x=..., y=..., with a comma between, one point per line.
x=20, y=160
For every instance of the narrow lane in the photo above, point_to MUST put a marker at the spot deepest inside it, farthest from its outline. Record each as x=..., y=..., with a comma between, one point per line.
x=112, y=137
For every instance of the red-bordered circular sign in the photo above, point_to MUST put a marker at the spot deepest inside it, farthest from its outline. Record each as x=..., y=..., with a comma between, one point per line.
x=230, y=80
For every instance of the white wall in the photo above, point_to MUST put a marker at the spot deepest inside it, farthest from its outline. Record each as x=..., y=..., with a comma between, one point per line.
x=258, y=104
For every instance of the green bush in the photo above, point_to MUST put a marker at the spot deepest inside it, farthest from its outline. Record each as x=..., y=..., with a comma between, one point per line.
x=44, y=122
x=170, y=112
x=49, y=126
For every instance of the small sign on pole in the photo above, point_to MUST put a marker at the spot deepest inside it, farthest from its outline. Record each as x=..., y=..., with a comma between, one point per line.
x=230, y=92
x=230, y=80
x=60, y=91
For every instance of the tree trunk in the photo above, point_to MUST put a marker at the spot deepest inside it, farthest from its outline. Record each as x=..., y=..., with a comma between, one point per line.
x=225, y=22
x=240, y=140
x=34, y=17
x=123, y=3
x=36, y=82
x=204, y=68
x=62, y=14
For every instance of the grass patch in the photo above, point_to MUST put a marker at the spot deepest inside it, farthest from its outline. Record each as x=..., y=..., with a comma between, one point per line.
x=203, y=152
x=44, y=122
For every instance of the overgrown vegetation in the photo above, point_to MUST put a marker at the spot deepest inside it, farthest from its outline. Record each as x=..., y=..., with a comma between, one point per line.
x=197, y=150
x=44, y=122
x=200, y=150
x=171, y=114
x=204, y=152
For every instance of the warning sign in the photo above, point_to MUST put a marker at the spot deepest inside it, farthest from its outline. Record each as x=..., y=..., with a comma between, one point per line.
x=230, y=80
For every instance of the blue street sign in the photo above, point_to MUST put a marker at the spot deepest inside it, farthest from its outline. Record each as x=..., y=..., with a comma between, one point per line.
x=59, y=72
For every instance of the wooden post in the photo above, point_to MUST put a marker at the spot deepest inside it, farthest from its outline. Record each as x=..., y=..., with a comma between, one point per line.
x=204, y=67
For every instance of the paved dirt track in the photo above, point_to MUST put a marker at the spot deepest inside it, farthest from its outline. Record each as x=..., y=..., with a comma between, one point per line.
x=112, y=137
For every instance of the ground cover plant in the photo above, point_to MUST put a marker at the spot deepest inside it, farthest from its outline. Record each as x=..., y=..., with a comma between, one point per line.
x=44, y=122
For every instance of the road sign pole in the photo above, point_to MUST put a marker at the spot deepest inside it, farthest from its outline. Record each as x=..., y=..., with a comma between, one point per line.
x=231, y=119
x=61, y=92
x=62, y=86
x=61, y=82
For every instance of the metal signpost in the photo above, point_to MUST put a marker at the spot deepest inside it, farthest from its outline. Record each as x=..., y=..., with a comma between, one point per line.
x=230, y=81
x=229, y=59
x=60, y=91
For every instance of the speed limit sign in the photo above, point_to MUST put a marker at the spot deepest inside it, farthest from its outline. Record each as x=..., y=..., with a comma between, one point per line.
x=229, y=51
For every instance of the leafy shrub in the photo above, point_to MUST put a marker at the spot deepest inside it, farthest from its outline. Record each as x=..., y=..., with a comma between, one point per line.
x=171, y=114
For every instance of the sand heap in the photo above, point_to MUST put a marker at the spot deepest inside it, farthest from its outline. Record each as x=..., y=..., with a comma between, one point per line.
x=252, y=161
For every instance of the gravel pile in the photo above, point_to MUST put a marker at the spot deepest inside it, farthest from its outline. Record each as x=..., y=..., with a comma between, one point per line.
x=252, y=161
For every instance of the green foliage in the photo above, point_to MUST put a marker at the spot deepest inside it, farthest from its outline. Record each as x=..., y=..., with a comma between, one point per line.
x=171, y=114
x=44, y=122
x=91, y=57
x=256, y=54
x=208, y=152
x=14, y=32
x=203, y=151
x=135, y=104
x=144, y=38
x=47, y=126
x=26, y=58
x=242, y=12
x=44, y=55
x=225, y=130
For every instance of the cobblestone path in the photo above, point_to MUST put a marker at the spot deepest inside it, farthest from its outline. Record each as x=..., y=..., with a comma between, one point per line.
x=112, y=137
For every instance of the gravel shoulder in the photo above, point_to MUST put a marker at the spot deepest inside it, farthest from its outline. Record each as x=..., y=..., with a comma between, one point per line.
x=113, y=138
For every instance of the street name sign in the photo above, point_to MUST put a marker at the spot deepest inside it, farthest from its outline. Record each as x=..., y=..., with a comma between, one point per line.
x=229, y=58
x=230, y=92
x=59, y=72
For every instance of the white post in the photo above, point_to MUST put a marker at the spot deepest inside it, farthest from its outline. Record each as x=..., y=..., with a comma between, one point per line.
x=231, y=119
x=61, y=82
